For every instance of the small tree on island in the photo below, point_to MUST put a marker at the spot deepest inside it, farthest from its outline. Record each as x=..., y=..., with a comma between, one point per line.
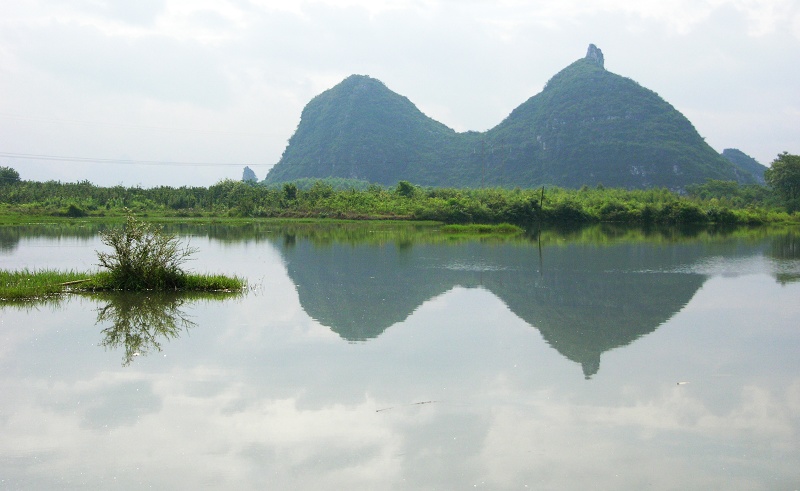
x=144, y=257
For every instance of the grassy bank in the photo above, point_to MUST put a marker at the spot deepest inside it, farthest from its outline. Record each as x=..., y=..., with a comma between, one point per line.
x=27, y=285
x=715, y=202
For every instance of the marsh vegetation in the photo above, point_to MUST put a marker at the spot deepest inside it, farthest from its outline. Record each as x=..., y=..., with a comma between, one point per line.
x=143, y=258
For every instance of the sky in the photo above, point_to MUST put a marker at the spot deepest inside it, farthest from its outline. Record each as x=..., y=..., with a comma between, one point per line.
x=189, y=92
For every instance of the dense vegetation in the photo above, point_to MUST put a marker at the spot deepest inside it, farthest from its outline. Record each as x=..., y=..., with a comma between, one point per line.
x=588, y=126
x=784, y=177
x=716, y=201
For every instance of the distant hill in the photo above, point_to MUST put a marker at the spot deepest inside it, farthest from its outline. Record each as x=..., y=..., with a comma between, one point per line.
x=745, y=163
x=360, y=129
x=588, y=126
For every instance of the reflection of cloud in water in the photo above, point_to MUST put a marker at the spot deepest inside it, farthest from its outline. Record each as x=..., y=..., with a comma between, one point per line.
x=559, y=445
x=479, y=266
x=725, y=266
x=230, y=437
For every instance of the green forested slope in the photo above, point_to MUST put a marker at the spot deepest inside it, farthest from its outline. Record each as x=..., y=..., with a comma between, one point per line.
x=360, y=129
x=588, y=126
x=745, y=163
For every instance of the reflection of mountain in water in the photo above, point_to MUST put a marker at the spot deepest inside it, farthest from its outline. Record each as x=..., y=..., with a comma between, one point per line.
x=584, y=299
x=584, y=304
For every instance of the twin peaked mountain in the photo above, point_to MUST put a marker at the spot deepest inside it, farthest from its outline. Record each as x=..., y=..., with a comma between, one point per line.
x=587, y=126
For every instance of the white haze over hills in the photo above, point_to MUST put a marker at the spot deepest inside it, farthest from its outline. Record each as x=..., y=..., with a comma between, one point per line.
x=188, y=92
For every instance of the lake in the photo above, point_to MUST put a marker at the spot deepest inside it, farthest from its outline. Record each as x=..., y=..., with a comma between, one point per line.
x=389, y=356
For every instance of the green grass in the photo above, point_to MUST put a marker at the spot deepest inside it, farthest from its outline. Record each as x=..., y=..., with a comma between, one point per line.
x=25, y=284
x=212, y=283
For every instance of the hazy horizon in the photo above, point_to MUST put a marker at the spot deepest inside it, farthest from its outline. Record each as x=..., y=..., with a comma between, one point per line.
x=178, y=92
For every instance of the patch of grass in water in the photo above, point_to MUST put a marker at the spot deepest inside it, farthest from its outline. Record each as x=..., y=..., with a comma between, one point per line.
x=26, y=285
x=211, y=283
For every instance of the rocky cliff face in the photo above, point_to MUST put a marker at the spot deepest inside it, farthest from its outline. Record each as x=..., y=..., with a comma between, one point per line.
x=248, y=175
x=595, y=55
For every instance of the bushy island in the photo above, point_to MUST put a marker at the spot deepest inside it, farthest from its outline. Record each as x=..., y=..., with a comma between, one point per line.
x=143, y=258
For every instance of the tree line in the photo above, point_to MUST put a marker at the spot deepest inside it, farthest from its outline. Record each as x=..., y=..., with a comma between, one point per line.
x=712, y=202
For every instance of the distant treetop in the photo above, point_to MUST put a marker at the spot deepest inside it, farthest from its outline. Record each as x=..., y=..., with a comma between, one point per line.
x=8, y=176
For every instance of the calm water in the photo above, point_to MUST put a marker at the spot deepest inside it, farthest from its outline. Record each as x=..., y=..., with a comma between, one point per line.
x=383, y=358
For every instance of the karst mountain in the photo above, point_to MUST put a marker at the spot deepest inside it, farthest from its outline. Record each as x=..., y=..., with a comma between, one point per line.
x=588, y=126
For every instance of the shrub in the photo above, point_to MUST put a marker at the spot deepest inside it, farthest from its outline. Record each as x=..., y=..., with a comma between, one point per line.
x=75, y=212
x=405, y=189
x=567, y=211
x=682, y=212
x=290, y=191
x=144, y=257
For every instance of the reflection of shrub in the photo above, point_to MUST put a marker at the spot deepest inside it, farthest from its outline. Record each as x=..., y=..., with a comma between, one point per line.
x=144, y=257
x=140, y=324
x=75, y=212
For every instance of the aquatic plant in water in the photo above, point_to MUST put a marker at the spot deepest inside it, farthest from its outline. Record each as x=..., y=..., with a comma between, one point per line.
x=144, y=257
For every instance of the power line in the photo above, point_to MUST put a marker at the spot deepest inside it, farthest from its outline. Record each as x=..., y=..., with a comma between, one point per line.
x=90, y=160
x=131, y=126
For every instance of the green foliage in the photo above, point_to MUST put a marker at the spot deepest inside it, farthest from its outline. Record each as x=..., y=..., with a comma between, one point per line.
x=290, y=192
x=783, y=177
x=74, y=211
x=143, y=257
x=405, y=189
x=337, y=183
x=715, y=201
x=731, y=194
x=8, y=176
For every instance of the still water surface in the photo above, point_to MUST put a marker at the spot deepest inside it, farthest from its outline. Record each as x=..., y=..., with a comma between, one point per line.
x=379, y=357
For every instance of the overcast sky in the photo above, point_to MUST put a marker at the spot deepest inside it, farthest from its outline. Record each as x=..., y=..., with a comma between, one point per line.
x=95, y=85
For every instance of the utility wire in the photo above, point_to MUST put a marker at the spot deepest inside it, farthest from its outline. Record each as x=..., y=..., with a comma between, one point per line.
x=131, y=126
x=62, y=158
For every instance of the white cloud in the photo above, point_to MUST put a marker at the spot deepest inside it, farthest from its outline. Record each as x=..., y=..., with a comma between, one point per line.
x=249, y=67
